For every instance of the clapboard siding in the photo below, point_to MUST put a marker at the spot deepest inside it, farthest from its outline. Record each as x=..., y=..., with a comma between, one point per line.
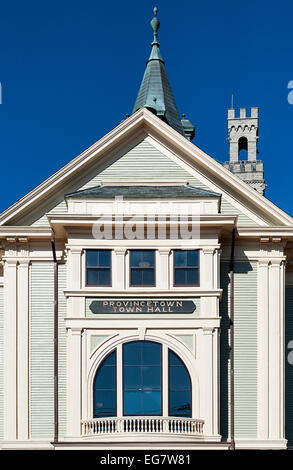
x=144, y=162
x=245, y=350
x=62, y=367
x=245, y=362
x=1, y=361
x=289, y=367
x=42, y=350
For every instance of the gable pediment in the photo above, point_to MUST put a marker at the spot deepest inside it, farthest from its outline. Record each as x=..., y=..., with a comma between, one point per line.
x=144, y=148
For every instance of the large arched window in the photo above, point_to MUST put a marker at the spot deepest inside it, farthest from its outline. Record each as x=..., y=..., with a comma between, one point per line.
x=143, y=391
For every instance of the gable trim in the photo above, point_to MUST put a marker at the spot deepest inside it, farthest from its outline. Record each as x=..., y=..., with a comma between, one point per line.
x=144, y=120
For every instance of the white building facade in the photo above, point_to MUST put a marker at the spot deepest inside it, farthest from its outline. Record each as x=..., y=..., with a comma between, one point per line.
x=120, y=277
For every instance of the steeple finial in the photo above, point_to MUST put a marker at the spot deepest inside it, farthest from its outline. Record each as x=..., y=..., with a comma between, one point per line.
x=155, y=24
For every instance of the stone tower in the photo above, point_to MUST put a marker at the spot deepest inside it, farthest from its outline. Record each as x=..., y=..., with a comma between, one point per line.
x=243, y=135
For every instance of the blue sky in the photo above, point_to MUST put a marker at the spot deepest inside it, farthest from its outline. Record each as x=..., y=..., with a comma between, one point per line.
x=70, y=71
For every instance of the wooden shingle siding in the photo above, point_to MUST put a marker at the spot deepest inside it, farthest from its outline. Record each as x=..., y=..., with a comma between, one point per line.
x=289, y=367
x=245, y=351
x=1, y=360
x=42, y=350
x=144, y=162
x=62, y=349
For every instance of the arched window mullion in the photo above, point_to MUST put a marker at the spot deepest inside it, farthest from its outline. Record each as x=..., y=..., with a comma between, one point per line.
x=119, y=374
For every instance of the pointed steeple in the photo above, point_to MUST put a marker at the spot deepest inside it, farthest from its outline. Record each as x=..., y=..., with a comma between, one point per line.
x=155, y=92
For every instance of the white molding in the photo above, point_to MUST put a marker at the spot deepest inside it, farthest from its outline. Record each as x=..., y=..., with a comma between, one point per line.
x=259, y=444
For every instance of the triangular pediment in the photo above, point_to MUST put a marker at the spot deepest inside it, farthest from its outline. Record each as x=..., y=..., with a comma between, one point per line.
x=143, y=148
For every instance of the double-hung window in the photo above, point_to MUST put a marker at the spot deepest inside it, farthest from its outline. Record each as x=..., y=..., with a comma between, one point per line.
x=142, y=267
x=98, y=267
x=186, y=267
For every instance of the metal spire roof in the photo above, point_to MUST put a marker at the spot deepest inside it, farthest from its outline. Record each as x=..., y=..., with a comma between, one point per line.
x=155, y=92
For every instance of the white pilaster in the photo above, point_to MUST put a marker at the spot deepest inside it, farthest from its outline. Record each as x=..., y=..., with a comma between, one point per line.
x=263, y=349
x=207, y=381
x=207, y=270
x=165, y=381
x=74, y=269
x=74, y=382
x=10, y=350
x=163, y=275
x=276, y=348
x=119, y=387
x=23, y=349
x=118, y=269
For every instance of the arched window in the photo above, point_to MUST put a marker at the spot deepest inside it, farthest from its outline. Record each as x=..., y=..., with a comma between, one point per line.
x=142, y=392
x=179, y=387
x=105, y=388
x=242, y=148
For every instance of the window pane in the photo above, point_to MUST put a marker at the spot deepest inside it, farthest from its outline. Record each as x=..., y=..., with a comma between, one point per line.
x=148, y=277
x=105, y=258
x=105, y=388
x=98, y=276
x=105, y=378
x=133, y=404
x=142, y=277
x=179, y=378
x=105, y=403
x=136, y=277
x=179, y=387
x=144, y=378
x=174, y=359
x=92, y=276
x=179, y=403
x=192, y=276
x=132, y=377
x=152, y=403
x=179, y=258
x=132, y=353
x=92, y=257
x=192, y=258
x=142, y=258
x=179, y=279
x=151, y=353
x=151, y=377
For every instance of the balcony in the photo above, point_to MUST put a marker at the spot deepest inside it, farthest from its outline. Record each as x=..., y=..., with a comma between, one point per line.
x=141, y=427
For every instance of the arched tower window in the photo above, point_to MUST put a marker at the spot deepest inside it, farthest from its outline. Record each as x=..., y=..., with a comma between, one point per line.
x=242, y=148
x=142, y=390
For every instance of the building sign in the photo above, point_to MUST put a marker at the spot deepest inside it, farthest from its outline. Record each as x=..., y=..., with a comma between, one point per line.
x=142, y=306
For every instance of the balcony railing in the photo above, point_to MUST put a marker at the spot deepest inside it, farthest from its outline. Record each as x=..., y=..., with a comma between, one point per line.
x=142, y=425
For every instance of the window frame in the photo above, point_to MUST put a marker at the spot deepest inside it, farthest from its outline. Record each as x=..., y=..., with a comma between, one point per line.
x=137, y=267
x=186, y=267
x=98, y=267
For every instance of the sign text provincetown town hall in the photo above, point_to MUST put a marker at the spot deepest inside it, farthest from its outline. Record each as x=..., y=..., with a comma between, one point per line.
x=146, y=293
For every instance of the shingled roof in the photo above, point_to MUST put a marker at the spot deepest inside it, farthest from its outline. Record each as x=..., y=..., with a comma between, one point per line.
x=146, y=191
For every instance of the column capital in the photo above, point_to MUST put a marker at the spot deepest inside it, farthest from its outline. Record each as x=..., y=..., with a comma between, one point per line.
x=120, y=250
x=164, y=250
x=208, y=330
